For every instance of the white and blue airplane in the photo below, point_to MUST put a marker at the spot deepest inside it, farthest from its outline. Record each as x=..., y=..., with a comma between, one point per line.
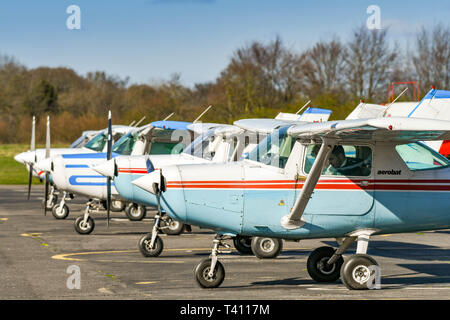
x=89, y=142
x=215, y=144
x=73, y=173
x=348, y=180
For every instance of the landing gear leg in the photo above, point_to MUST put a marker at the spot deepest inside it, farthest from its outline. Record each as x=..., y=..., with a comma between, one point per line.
x=210, y=273
x=85, y=224
x=61, y=210
x=151, y=244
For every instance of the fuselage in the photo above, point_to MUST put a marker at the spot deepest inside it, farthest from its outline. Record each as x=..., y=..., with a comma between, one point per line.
x=74, y=173
x=250, y=197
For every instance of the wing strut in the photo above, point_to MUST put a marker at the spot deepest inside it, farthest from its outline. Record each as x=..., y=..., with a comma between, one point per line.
x=294, y=219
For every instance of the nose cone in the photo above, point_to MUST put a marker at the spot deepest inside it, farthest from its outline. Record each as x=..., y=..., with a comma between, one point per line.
x=149, y=181
x=106, y=168
x=44, y=165
x=25, y=157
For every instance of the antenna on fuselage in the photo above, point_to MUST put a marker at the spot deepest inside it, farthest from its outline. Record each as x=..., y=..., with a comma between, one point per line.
x=390, y=104
x=303, y=107
x=139, y=122
x=198, y=118
x=168, y=116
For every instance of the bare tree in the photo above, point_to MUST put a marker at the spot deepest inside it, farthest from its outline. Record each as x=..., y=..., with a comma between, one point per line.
x=431, y=59
x=370, y=62
x=323, y=66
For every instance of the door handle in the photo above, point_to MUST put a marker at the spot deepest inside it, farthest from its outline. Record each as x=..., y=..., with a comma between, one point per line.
x=364, y=183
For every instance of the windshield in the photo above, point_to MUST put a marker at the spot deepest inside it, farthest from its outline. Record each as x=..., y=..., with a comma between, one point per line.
x=124, y=145
x=97, y=143
x=199, y=147
x=79, y=142
x=274, y=150
x=417, y=156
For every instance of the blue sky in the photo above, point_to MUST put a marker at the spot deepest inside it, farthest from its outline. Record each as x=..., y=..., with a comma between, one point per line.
x=148, y=40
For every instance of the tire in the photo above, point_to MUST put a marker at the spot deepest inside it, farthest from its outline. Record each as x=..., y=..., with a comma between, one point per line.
x=90, y=225
x=144, y=246
x=117, y=205
x=53, y=203
x=60, y=215
x=135, y=212
x=243, y=244
x=266, y=248
x=174, y=227
x=201, y=274
x=355, y=272
x=317, y=265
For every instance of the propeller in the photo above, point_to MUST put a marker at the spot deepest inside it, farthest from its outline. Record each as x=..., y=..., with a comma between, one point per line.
x=108, y=179
x=47, y=155
x=32, y=148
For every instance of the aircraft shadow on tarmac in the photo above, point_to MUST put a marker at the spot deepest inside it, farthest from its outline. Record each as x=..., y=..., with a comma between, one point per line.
x=402, y=250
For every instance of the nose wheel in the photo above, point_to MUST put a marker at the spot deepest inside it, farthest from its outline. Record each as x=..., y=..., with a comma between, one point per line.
x=84, y=226
x=207, y=279
x=210, y=273
x=150, y=247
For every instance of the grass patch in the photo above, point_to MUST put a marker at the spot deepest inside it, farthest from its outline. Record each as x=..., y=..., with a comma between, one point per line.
x=11, y=171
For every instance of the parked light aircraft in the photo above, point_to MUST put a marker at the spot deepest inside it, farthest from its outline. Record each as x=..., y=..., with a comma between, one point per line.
x=216, y=143
x=435, y=105
x=73, y=172
x=89, y=141
x=348, y=180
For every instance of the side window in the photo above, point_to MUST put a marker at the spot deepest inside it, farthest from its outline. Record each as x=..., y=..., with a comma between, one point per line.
x=417, y=156
x=344, y=160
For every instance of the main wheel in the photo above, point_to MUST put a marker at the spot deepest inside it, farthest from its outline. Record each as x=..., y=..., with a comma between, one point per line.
x=204, y=280
x=84, y=228
x=60, y=213
x=51, y=204
x=243, y=244
x=318, y=268
x=135, y=212
x=172, y=227
x=359, y=272
x=117, y=205
x=146, y=250
x=266, y=248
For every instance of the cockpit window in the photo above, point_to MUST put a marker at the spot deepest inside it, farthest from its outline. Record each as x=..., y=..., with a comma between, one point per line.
x=124, y=145
x=199, y=147
x=80, y=142
x=274, y=150
x=348, y=160
x=418, y=156
x=97, y=143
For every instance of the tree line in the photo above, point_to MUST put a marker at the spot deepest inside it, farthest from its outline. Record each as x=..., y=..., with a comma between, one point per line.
x=260, y=80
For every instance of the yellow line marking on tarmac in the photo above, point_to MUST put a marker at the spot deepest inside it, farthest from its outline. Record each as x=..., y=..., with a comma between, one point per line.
x=147, y=282
x=67, y=256
x=3, y=219
x=36, y=234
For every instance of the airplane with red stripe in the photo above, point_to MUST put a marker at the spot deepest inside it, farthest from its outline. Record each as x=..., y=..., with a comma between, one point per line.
x=348, y=180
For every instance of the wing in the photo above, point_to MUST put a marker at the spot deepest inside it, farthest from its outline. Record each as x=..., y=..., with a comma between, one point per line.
x=398, y=129
x=263, y=125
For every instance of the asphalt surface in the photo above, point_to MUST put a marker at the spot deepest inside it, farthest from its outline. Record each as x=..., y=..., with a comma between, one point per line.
x=36, y=252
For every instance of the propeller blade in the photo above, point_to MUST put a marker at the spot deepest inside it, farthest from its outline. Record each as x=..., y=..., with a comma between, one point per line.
x=32, y=148
x=30, y=177
x=108, y=180
x=47, y=155
x=47, y=182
